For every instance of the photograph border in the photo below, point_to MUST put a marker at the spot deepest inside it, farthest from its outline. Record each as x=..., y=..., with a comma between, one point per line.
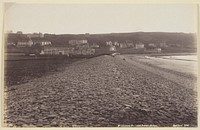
x=2, y=26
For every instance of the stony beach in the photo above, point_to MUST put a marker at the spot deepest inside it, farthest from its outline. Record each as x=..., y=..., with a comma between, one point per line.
x=104, y=91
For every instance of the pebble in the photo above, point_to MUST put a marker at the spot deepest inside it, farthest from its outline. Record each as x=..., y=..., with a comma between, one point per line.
x=120, y=102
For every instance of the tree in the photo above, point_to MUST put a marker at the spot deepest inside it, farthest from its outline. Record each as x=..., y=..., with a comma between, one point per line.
x=19, y=32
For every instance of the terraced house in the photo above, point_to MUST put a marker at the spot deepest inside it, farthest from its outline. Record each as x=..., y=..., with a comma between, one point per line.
x=66, y=51
x=40, y=41
x=51, y=50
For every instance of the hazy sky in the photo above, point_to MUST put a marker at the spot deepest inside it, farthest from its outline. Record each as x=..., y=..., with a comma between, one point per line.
x=101, y=18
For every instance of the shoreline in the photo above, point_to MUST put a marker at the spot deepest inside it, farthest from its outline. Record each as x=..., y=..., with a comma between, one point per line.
x=180, y=66
x=23, y=57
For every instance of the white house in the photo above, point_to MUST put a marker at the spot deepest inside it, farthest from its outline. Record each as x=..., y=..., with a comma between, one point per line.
x=152, y=45
x=112, y=48
x=109, y=43
x=139, y=45
x=41, y=42
x=25, y=43
x=49, y=50
x=77, y=42
x=116, y=43
x=44, y=43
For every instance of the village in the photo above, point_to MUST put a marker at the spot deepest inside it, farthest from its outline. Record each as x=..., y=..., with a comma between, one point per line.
x=36, y=44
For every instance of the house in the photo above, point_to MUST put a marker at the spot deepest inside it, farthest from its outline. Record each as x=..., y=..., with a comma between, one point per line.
x=112, y=48
x=77, y=42
x=163, y=44
x=78, y=52
x=123, y=45
x=11, y=44
x=130, y=43
x=41, y=42
x=158, y=49
x=152, y=45
x=45, y=43
x=75, y=52
x=139, y=45
x=87, y=51
x=94, y=45
x=116, y=44
x=51, y=50
x=67, y=51
x=25, y=43
x=22, y=44
x=109, y=43
x=90, y=51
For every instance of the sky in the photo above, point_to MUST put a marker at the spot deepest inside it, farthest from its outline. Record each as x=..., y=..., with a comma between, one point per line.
x=100, y=18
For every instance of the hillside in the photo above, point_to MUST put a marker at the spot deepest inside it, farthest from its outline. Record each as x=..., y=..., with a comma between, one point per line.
x=185, y=39
x=181, y=42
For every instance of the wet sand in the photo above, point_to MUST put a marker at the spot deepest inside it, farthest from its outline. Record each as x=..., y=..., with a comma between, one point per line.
x=175, y=64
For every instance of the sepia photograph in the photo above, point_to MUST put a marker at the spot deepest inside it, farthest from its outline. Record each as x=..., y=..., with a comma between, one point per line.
x=100, y=65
